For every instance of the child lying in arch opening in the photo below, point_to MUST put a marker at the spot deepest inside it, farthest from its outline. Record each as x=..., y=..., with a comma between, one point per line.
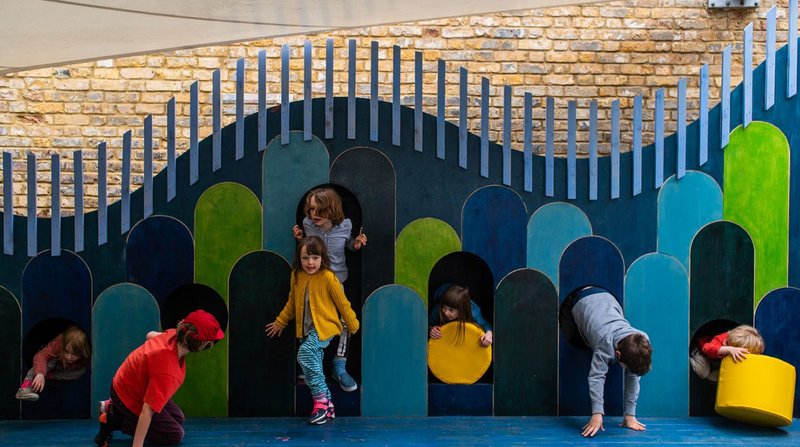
x=64, y=358
x=706, y=356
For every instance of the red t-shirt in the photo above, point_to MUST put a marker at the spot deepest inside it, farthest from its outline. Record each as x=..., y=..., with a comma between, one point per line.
x=152, y=373
x=710, y=345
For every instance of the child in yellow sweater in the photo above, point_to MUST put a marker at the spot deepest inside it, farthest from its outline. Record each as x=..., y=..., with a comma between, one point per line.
x=316, y=299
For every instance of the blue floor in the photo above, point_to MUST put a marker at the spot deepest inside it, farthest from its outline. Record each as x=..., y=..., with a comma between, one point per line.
x=440, y=431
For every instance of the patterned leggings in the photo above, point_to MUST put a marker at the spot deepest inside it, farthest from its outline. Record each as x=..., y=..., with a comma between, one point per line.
x=309, y=356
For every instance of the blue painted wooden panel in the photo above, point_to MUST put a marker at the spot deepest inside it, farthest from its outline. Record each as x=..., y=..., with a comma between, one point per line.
x=171, y=149
x=55, y=205
x=262, y=100
x=702, y=119
x=285, y=100
x=791, y=61
x=527, y=136
x=769, y=62
x=351, y=89
x=394, y=356
x=121, y=317
x=373, y=92
x=657, y=302
x=614, y=187
x=329, y=88
x=684, y=207
x=659, y=139
x=216, y=121
x=507, y=135
x=637, y=145
x=194, y=131
x=593, y=150
x=747, y=76
x=32, y=211
x=418, y=101
x=725, y=99
x=572, y=118
x=102, y=196
x=550, y=230
x=680, y=157
x=440, y=109
x=463, y=124
x=10, y=353
x=396, y=95
x=239, y=140
x=8, y=197
x=493, y=225
x=776, y=319
x=307, y=95
x=549, y=147
x=147, y=187
x=77, y=186
x=125, y=208
x=461, y=400
x=484, y=127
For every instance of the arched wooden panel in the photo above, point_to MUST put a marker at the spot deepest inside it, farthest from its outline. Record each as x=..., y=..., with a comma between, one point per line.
x=777, y=320
x=419, y=246
x=10, y=329
x=551, y=229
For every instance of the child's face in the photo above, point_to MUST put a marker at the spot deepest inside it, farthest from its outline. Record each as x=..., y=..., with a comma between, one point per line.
x=309, y=262
x=70, y=357
x=450, y=313
x=322, y=222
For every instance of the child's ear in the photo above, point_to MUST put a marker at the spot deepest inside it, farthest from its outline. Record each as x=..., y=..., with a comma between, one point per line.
x=617, y=354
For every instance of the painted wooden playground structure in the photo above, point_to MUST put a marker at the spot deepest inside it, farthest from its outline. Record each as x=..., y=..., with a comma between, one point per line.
x=695, y=233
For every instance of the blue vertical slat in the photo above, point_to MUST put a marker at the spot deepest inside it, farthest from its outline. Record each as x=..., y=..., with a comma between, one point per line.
x=216, y=121
x=440, y=110
x=102, y=194
x=239, y=143
x=285, y=103
x=329, y=88
x=747, y=76
x=55, y=205
x=351, y=90
x=572, y=129
x=396, y=95
x=659, y=139
x=171, y=149
x=32, y=193
x=769, y=81
x=463, y=125
x=637, y=145
x=507, y=94
x=77, y=185
x=725, y=99
x=593, y=150
x=194, y=134
x=373, y=92
x=307, y=120
x=125, y=208
x=791, y=63
x=702, y=156
x=418, y=101
x=549, y=146
x=615, y=149
x=8, y=204
x=484, y=127
x=527, y=137
x=680, y=167
x=148, y=166
x=262, y=100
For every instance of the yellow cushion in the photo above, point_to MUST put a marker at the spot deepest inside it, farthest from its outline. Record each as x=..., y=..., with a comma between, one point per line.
x=759, y=390
x=459, y=363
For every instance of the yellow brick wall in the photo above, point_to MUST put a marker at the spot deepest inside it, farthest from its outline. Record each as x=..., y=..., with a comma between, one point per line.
x=607, y=51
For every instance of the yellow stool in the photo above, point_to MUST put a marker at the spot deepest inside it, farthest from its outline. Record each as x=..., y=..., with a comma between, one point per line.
x=459, y=363
x=759, y=391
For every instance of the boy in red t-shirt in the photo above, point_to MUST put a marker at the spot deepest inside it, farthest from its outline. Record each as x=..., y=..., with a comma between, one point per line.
x=141, y=393
x=737, y=343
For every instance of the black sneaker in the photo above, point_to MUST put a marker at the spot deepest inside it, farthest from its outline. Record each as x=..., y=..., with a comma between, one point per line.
x=104, y=436
x=319, y=415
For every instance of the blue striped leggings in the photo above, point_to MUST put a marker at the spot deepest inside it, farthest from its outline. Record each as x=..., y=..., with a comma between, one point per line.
x=309, y=356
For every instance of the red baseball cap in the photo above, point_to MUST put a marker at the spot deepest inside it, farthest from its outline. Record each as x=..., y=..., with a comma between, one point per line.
x=207, y=326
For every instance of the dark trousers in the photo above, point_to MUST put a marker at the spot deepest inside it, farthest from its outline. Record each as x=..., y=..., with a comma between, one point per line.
x=166, y=427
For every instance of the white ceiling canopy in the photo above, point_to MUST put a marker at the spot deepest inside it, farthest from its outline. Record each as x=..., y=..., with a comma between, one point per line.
x=42, y=33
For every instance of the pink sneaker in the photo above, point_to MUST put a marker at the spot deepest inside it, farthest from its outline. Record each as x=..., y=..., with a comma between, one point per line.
x=104, y=406
x=331, y=410
x=319, y=415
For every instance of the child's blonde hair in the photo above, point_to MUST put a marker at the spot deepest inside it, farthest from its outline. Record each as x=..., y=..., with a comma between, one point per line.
x=745, y=336
x=329, y=204
x=74, y=341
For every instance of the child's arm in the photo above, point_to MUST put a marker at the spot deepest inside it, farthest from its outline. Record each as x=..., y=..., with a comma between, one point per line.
x=359, y=240
x=297, y=232
x=142, y=425
x=736, y=353
x=631, y=384
x=40, y=360
x=435, y=332
x=152, y=334
x=488, y=337
x=342, y=304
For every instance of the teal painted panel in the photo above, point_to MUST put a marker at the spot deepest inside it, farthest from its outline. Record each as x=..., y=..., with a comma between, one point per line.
x=684, y=207
x=394, y=354
x=551, y=229
x=121, y=318
x=289, y=171
x=10, y=353
x=657, y=302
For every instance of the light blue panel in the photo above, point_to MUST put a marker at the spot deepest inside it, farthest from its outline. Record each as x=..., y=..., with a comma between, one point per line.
x=394, y=353
x=32, y=193
x=725, y=99
x=702, y=155
x=216, y=121
x=77, y=186
x=463, y=125
x=440, y=109
x=659, y=139
x=572, y=124
x=549, y=146
x=125, y=208
x=507, y=135
x=593, y=150
x=484, y=127
x=121, y=318
x=680, y=158
x=418, y=101
x=171, y=149
x=657, y=302
x=791, y=62
x=329, y=88
x=262, y=100
x=684, y=207
x=615, y=149
x=769, y=81
x=637, y=145
x=373, y=93
x=239, y=142
x=285, y=101
x=288, y=172
x=102, y=194
x=396, y=95
x=351, y=90
x=527, y=136
x=550, y=231
x=8, y=198
x=194, y=132
x=147, y=188
x=307, y=95
x=747, y=76
x=55, y=205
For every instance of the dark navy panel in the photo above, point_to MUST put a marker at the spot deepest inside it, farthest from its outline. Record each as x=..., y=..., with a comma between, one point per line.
x=781, y=334
x=10, y=329
x=190, y=297
x=461, y=400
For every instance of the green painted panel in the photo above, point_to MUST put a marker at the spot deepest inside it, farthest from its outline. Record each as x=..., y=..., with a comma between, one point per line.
x=227, y=226
x=289, y=172
x=419, y=246
x=756, y=182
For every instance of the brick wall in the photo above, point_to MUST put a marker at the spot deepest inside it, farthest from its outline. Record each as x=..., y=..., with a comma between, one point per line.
x=607, y=51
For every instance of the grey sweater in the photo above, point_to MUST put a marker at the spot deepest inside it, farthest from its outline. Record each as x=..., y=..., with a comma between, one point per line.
x=602, y=325
x=336, y=240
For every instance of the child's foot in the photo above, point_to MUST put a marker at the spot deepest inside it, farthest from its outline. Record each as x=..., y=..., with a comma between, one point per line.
x=340, y=375
x=27, y=394
x=319, y=415
x=105, y=434
x=104, y=406
x=331, y=410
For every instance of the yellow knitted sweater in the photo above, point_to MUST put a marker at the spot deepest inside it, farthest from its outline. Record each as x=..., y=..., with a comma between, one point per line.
x=327, y=301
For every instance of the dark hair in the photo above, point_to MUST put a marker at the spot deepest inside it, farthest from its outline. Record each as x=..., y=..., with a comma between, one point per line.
x=329, y=204
x=74, y=341
x=187, y=336
x=458, y=298
x=314, y=246
x=636, y=352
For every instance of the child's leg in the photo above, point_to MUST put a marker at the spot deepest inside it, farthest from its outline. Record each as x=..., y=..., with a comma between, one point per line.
x=166, y=428
x=701, y=365
x=25, y=392
x=309, y=355
x=340, y=362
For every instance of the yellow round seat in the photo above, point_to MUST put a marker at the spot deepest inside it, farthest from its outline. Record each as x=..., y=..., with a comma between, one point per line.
x=758, y=390
x=457, y=362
